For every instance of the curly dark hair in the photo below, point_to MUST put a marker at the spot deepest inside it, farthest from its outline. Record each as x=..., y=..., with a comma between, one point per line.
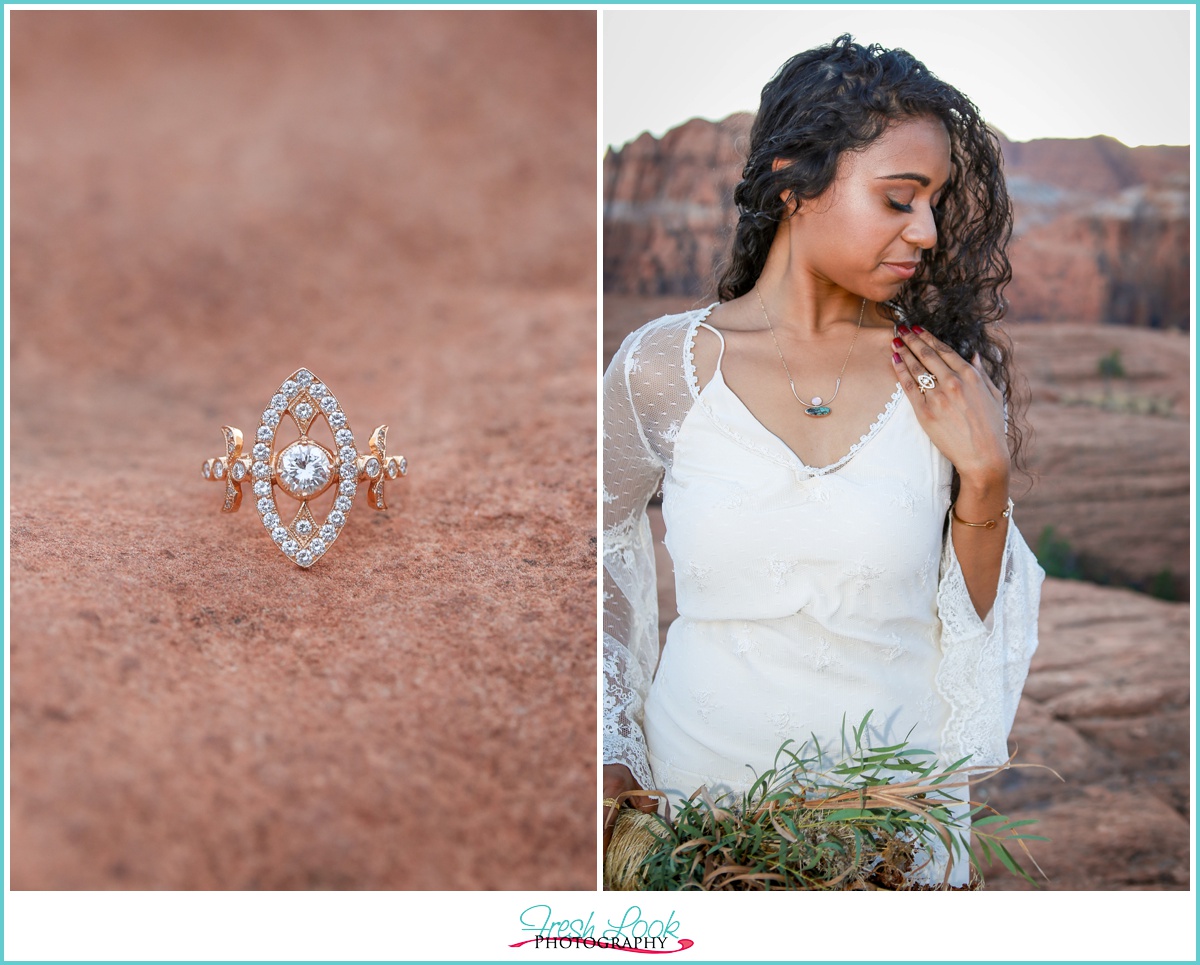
x=841, y=97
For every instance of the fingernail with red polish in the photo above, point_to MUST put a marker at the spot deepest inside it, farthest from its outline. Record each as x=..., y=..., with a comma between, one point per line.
x=903, y=329
x=918, y=329
x=899, y=343
x=895, y=356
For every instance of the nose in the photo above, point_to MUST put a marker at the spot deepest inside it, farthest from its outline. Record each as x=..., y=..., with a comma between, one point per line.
x=921, y=229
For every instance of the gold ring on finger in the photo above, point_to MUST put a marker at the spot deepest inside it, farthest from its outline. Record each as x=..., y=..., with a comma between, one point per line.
x=926, y=381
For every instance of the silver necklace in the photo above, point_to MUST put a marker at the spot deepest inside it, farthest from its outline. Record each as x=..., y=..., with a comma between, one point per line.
x=818, y=407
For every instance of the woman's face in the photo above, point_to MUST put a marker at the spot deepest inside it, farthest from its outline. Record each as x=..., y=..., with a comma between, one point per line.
x=869, y=229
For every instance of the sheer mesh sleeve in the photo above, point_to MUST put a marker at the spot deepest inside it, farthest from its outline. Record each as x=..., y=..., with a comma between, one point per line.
x=646, y=397
x=984, y=662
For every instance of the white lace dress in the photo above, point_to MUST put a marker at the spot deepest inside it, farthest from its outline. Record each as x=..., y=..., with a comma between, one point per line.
x=806, y=596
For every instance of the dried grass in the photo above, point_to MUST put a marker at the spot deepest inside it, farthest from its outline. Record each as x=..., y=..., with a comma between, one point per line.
x=859, y=825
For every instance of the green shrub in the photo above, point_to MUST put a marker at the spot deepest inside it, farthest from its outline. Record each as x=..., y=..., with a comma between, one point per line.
x=1056, y=556
x=1110, y=365
x=1163, y=585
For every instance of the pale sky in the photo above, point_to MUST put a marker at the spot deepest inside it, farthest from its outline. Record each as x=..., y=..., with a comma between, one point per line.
x=1033, y=72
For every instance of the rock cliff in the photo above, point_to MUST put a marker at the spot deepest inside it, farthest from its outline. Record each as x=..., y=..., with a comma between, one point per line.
x=1101, y=232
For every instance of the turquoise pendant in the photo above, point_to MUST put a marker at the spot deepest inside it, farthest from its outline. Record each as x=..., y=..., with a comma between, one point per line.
x=818, y=410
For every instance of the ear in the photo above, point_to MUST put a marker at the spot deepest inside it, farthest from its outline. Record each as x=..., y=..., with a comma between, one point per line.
x=793, y=206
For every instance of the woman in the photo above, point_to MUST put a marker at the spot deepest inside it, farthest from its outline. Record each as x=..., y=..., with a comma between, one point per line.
x=834, y=450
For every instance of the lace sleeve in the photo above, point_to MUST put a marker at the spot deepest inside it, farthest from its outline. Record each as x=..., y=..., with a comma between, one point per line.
x=632, y=470
x=984, y=662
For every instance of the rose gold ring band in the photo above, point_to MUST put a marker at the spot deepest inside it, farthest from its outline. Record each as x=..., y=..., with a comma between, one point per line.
x=305, y=468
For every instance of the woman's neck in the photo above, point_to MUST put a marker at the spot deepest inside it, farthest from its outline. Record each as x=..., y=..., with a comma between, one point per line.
x=801, y=304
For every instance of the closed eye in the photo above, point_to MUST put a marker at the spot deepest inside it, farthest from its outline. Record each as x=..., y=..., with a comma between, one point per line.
x=906, y=208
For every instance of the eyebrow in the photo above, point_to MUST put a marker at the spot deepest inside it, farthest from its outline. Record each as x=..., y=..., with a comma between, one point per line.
x=921, y=179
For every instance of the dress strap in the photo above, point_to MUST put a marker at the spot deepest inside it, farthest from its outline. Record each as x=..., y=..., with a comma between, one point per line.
x=720, y=338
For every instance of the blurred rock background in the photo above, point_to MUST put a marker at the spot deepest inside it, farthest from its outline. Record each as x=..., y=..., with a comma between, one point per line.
x=1100, y=321
x=202, y=202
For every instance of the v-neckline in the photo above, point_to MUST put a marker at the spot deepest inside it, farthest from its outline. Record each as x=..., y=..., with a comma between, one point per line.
x=866, y=437
x=719, y=377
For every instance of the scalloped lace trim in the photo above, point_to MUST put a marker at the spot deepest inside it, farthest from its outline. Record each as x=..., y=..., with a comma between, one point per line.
x=794, y=462
x=625, y=681
x=982, y=671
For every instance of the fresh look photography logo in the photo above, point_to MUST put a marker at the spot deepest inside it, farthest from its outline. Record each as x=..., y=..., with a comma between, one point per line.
x=631, y=932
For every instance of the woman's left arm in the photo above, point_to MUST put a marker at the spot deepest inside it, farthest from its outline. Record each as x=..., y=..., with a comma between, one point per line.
x=963, y=414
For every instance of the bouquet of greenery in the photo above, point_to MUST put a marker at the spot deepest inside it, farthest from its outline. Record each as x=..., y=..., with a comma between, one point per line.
x=872, y=821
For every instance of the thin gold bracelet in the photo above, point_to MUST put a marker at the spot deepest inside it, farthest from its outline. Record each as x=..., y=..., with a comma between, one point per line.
x=987, y=523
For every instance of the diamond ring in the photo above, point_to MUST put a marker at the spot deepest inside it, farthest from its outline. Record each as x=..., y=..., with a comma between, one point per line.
x=926, y=381
x=303, y=469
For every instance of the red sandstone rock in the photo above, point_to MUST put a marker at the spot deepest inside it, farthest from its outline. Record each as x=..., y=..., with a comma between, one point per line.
x=1119, y=820
x=1113, y=451
x=1093, y=166
x=1101, y=230
x=203, y=201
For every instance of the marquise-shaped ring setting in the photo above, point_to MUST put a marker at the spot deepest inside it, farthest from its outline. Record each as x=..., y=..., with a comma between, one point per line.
x=303, y=469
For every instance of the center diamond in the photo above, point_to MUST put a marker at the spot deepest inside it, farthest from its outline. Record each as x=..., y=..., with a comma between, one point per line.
x=304, y=469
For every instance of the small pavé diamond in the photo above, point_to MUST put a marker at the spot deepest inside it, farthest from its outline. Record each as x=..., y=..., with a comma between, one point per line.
x=290, y=546
x=344, y=437
x=289, y=389
x=238, y=471
x=348, y=487
x=304, y=558
x=328, y=404
x=304, y=527
x=372, y=467
x=279, y=401
x=279, y=534
x=338, y=419
x=349, y=470
x=304, y=412
x=266, y=505
x=304, y=377
x=403, y=466
x=262, y=487
x=328, y=532
x=338, y=518
x=261, y=452
x=271, y=520
x=261, y=470
x=317, y=389
x=218, y=470
x=348, y=454
x=304, y=468
x=317, y=546
x=206, y=470
x=270, y=417
x=343, y=503
x=265, y=434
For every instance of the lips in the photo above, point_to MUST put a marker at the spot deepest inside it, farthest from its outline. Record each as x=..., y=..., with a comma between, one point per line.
x=903, y=270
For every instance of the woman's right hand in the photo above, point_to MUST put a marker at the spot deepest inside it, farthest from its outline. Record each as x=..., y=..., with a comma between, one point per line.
x=617, y=780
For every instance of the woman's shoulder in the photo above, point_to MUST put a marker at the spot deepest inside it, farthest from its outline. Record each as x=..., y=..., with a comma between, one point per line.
x=658, y=357
x=658, y=334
